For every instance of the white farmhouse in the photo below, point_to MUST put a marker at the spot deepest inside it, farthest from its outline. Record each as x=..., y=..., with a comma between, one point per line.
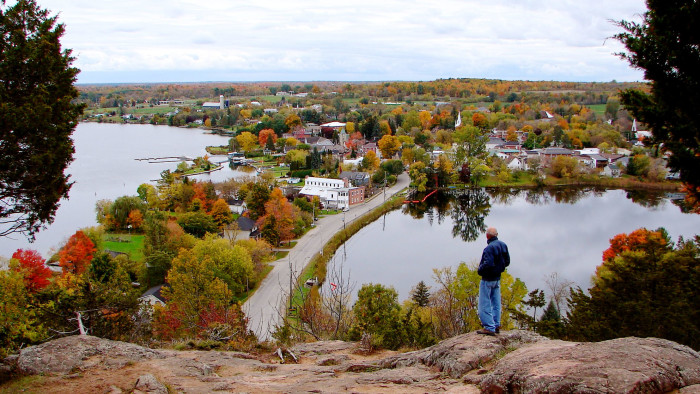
x=333, y=193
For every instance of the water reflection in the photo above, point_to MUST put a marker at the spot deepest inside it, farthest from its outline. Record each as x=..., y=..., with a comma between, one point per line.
x=468, y=208
x=542, y=196
x=562, y=230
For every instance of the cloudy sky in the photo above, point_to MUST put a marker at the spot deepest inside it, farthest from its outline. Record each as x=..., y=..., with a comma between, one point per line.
x=361, y=40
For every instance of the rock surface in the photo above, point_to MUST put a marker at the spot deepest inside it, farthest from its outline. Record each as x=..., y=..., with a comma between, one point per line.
x=515, y=361
x=624, y=365
x=149, y=384
x=458, y=355
x=80, y=352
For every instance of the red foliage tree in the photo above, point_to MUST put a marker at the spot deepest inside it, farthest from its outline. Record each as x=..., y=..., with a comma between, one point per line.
x=75, y=257
x=36, y=273
x=638, y=240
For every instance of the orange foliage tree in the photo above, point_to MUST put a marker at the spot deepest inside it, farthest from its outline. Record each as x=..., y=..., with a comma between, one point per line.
x=640, y=239
x=280, y=214
x=36, y=273
x=266, y=134
x=479, y=120
x=75, y=257
x=135, y=219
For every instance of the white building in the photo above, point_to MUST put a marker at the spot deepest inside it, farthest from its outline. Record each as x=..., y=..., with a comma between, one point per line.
x=220, y=105
x=333, y=193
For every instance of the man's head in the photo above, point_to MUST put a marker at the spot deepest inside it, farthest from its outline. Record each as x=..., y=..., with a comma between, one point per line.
x=491, y=232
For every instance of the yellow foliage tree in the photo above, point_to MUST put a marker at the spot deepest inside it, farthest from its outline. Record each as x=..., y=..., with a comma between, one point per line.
x=389, y=145
x=292, y=121
x=246, y=140
x=370, y=161
x=425, y=119
x=384, y=127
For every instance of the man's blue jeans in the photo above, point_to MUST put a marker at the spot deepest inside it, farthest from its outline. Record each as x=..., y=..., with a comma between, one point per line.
x=490, y=304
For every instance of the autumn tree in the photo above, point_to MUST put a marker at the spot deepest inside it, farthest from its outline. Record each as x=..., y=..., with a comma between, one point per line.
x=121, y=209
x=284, y=214
x=664, y=45
x=257, y=195
x=199, y=304
x=266, y=134
x=246, y=140
x=75, y=256
x=564, y=167
x=479, y=120
x=18, y=323
x=376, y=313
x=389, y=145
x=135, y=219
x=37, y=117
x=416, y=173
x=292, y=121
x=103, y=294
x=296, y=158
x=221, y=213
x=230, y=263
x=370, y=161
x=197, y=223
x=471, y=146
x=35, y=272
x=643, y=277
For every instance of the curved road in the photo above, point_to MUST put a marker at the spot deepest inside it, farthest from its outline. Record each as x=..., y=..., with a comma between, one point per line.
x=264, y=307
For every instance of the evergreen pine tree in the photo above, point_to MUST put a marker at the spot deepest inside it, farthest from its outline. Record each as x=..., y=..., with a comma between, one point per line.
x=421, y=294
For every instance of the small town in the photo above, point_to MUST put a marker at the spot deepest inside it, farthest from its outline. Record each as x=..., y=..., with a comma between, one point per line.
x=451, y=200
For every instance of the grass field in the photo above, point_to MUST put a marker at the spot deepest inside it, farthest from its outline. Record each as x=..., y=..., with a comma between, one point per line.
x=131, y=244
x=599, y=109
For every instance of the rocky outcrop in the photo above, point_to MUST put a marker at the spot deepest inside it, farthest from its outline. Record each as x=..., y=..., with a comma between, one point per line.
x=514, y=361
x=458, y=355
x=625, y=365
x=80, y=352
x=149, y=384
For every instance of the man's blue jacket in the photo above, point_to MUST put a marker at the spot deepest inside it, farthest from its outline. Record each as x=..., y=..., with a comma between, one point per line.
x=494, y=260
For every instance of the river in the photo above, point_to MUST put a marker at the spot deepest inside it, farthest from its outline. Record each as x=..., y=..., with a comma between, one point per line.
x=564, y=231
x=105, y=167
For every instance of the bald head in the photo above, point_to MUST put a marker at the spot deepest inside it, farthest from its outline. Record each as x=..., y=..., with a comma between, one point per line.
x=491, y=232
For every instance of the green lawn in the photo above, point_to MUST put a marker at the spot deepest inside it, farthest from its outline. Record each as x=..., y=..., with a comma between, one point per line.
x=599, y=109
x=131, y=244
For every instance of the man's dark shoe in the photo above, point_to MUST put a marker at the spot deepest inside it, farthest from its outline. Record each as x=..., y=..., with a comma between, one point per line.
x=498, y=330
x=486, y=332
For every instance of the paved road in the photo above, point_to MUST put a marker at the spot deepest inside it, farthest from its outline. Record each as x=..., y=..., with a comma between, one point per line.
x=264, y=307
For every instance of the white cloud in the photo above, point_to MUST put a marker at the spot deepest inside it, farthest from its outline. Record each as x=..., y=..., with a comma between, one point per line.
x=367, y=40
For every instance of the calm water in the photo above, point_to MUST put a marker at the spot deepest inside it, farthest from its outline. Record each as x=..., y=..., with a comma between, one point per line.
x=105, y=167
x=563, y=232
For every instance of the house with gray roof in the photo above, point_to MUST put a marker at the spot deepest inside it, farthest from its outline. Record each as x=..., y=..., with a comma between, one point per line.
x=356, y=178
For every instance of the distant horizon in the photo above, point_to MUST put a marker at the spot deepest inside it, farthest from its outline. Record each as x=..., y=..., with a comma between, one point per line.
x=343, y=81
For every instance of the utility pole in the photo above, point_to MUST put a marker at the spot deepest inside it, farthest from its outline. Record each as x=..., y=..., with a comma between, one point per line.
x=384, y=186
x=290, y=283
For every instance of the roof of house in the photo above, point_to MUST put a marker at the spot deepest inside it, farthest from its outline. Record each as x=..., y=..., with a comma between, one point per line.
x=612, y=156
x=354, y=175
x=598, y=157
x=245, y=223
x=556, y=151
x=155, y=291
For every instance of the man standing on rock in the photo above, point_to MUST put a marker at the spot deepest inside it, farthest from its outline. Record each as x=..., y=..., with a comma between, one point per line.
x=494, y=261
